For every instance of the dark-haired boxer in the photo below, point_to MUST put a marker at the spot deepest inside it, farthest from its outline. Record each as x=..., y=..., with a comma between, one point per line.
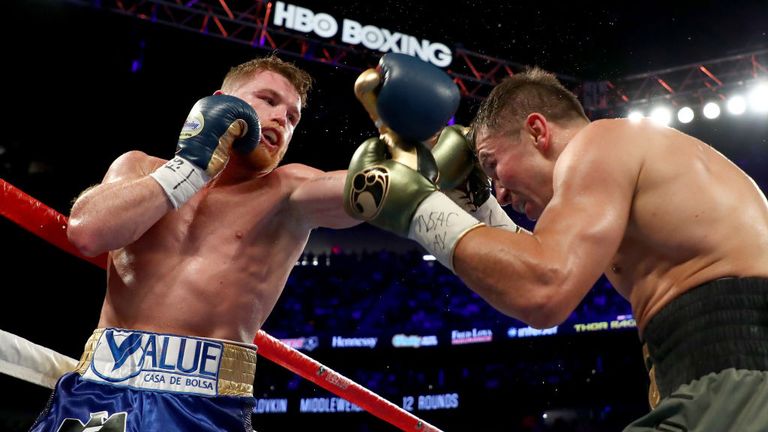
x=680, y=231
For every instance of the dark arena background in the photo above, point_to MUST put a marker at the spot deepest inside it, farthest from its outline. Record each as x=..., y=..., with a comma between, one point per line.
x=86, y=81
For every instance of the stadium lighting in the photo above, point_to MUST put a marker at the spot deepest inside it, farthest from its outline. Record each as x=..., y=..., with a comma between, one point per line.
x=711, y=110
x=685, y=115
x=736, y=105
x=635, y=116
x=758, y=98
x=428, y=258
x=661, y=115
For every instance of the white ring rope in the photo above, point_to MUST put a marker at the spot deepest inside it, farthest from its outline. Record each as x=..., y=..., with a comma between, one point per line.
x=31, y=362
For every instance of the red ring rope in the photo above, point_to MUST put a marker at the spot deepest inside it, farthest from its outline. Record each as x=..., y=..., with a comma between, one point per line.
x=51, y=226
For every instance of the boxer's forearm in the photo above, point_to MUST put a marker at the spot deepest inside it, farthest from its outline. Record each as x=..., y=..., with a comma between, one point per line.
x=319, y=201
x=516, y=275
x=116, y=214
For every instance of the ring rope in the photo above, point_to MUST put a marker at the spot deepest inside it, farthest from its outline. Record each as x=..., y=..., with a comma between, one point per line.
x=51, y=226
x=33, y=363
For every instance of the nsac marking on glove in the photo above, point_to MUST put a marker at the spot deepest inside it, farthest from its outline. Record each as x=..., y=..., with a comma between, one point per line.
x=305, y=20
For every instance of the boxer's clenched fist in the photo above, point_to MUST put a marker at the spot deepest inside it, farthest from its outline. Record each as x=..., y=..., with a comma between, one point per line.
x=394, y=197
x=216, y=125
x=462, y=179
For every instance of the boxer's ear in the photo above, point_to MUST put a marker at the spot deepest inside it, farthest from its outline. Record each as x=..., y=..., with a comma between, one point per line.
x=537, y=127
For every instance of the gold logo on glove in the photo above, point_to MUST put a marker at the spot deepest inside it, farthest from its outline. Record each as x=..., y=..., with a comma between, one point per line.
x=369, y=189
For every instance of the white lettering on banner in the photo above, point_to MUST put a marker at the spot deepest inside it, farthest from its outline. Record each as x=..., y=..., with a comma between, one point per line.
x=284, y=15
x=327, y=405
x=408, y=403
x=440, y=401
x=270, y=406
x=342, y=342
x=471, y=336
x=384, y=40
x=414, y=341
x=304, y=20
x=522, y=332
x=156, y=361
x=354, y=33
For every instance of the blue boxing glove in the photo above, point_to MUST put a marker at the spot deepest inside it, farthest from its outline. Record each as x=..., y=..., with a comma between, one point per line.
x=215, y=125
x=407, y=96
x=409, y=100
x=391, y=179
x=416, y=99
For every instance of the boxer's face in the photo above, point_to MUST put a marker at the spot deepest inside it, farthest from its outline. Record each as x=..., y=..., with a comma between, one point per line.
x=517, y=168
x=278, y=105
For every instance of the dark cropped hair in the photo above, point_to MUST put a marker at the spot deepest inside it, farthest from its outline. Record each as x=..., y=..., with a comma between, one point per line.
x=519, y=95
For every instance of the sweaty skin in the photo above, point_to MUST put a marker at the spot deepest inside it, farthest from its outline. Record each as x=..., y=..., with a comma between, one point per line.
x=216, y=266
x=657, y=211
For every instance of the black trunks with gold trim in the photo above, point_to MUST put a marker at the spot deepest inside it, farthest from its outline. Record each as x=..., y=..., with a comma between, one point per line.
x=718, y=325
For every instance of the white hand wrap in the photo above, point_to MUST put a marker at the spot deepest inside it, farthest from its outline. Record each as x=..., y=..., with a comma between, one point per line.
x=490, y=212
x=438, y=224
x=493, y=215
x=180, y=179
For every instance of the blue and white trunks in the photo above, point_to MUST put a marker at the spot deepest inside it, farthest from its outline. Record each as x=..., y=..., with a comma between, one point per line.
x=131, y=381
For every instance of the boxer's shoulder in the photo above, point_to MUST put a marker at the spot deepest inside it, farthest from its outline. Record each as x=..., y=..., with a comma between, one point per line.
x=295, y=173
x=611, y=138
x=286, y=179
x=297, y=169
x=606, y=130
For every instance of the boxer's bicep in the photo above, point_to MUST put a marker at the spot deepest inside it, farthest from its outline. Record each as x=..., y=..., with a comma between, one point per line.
x=586, y=220
x=120, y=209
x=131, y=165
x=128, y=166
x=595, y=182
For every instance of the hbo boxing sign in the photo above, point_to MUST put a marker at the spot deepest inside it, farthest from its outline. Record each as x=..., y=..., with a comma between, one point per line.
x=352, y=32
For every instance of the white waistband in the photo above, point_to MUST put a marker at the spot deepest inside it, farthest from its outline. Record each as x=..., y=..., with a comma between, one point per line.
x=165, y=362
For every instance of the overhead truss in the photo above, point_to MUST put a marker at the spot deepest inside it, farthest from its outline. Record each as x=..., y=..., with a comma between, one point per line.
x=247, y=22
x=691, y=84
